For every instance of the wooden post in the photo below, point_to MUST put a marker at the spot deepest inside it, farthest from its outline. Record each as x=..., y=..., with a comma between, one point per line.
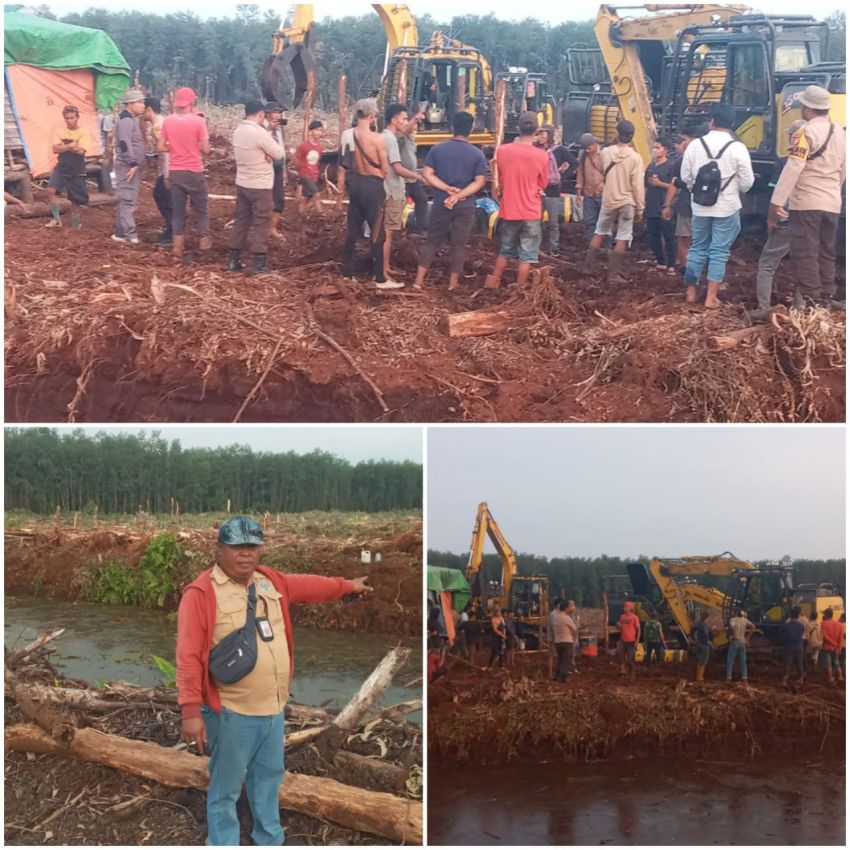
x=605, y=619
x=499, y=130
x=461, y=93
x=266, y=516
x=309, y=97
x=343, y=126
x=58, y=523
x=76, y=514
x=228, y=507
x=177, y=511
x=95, y=514
x=401, y=94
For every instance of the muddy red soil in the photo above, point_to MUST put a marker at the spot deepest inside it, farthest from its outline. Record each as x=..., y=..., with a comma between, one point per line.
x=99, y=331
x=480, y=716
x=41, y=565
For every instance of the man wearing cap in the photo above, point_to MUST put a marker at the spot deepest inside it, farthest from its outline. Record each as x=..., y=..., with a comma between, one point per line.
x=523, y=175
x=129, y=155
x=184, y=137
x=275, y=122
x=255, y=152
x=242, y=722
x=561, y=163
x=810, y=184
x=778, y=244
x=589, y=184
x=629, y=633
x=623, y=200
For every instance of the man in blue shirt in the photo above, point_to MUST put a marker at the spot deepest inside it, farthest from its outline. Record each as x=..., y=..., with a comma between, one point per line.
x=793, y=632
x=456, y=171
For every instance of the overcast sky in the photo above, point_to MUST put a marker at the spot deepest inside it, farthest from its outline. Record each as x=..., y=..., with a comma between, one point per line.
x=352, y=442
x=443, y=10
x=668, y=491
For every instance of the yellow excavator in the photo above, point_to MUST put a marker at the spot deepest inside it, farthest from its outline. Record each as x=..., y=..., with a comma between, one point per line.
x=663, y=71
x=526, y=596
x=434, y=80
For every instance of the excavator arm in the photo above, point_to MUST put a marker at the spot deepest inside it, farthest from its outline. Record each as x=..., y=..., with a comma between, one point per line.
x=290, y=49
x=485, y=526
x=714, y=565
x=618, y=40
x=399, y=25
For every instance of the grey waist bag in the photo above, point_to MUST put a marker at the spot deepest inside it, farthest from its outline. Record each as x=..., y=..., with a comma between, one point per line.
x=234, y=657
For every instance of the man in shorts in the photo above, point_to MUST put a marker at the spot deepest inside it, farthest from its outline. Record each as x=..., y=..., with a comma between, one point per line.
x=69, y=177
x=395, y=183
x=523, y=174
x=629, y=633
x=622, y=199
x=307, y=157
x=701, y=635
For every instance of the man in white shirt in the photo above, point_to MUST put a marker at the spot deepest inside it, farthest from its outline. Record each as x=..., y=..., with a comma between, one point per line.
x=715, y=227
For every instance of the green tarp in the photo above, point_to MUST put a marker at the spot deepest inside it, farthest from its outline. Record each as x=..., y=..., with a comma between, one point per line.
x=43, y=43
x=445, y=578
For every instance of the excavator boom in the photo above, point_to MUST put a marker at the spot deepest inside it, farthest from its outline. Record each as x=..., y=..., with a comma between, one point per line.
x=399, y=25
x=485, y=526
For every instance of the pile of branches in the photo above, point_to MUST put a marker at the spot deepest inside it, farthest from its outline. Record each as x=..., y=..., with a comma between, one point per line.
x=359, y=769
x=525, y=721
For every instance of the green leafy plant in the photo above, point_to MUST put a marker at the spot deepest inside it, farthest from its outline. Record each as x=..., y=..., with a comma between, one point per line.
x=168, y=670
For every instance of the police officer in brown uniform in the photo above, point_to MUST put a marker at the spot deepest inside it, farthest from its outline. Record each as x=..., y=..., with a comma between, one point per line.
x=810, y=184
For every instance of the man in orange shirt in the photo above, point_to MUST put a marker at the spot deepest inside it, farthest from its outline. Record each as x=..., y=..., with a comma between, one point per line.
x=833, y=634
x=242, y=718
x=629, y=632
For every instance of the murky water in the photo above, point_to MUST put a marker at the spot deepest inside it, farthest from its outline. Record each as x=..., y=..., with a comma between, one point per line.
x=106, y=642
x=673, y=801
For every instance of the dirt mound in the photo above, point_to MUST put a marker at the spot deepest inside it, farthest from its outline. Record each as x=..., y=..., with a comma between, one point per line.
x=99, y=331
x=493, y=717
x=37, y=563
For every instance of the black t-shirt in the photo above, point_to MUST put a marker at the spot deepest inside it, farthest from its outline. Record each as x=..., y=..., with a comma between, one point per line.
x=656, y=196
x=562, y=155
x=682, y=201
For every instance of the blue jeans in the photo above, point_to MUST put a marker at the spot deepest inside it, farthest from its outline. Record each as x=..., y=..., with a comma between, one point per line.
x=712, y=244
x=590, y=209
x=250, y=750
x=520, y=240
x=737, y=649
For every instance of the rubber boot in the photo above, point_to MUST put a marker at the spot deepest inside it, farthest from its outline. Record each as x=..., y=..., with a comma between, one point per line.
x=234, y=260
x=259, y=266
x=178, y=243
x=273, y=231
x=592, y=260
x=616, y=272
x=701, y=672
x=205, y=243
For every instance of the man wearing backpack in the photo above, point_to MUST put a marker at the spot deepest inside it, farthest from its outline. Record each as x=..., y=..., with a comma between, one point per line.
x=810, y=184
x=717, y=169
x=622, y=200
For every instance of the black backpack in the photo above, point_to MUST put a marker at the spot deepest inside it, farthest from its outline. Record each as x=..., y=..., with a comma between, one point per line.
x=709, y=183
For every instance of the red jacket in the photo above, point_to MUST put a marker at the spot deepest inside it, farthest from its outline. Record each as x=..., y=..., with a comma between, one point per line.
x=196, y=621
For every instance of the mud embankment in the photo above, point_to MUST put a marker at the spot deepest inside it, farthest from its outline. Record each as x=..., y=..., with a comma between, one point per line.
x=40, y=565
x=497, y=717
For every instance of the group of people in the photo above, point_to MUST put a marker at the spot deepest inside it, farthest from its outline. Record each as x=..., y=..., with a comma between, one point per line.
x=690, y=194
x=807, y=644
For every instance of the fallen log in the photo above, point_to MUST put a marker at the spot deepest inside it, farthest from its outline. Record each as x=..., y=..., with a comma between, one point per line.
x=362, y=770
x=40, y=641
x=477, y=322
x=729, y=340
x=375, y=685
x=374, y=812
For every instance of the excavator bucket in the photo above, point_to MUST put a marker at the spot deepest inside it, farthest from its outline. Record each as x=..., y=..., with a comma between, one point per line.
x=298, y=58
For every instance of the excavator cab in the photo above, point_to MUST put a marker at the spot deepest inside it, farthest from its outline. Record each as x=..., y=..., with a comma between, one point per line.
x=525, y=91
x=814, y=599
x=765, y=594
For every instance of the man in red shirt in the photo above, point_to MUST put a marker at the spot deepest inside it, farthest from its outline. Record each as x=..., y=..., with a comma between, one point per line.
x=629, y=633
x=184, y=137
x=307, y=157
x=833, y=633
x=242, y=719
x=523, y=175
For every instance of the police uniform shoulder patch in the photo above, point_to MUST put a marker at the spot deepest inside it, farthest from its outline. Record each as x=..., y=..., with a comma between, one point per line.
x=799, y=145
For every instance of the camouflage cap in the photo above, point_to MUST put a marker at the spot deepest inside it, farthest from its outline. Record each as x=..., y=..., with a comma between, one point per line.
x=240, y=531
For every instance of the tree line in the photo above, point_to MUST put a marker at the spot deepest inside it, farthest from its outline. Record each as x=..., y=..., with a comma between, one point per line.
x=221, y=57
x=124, y=473
x=581, y=578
